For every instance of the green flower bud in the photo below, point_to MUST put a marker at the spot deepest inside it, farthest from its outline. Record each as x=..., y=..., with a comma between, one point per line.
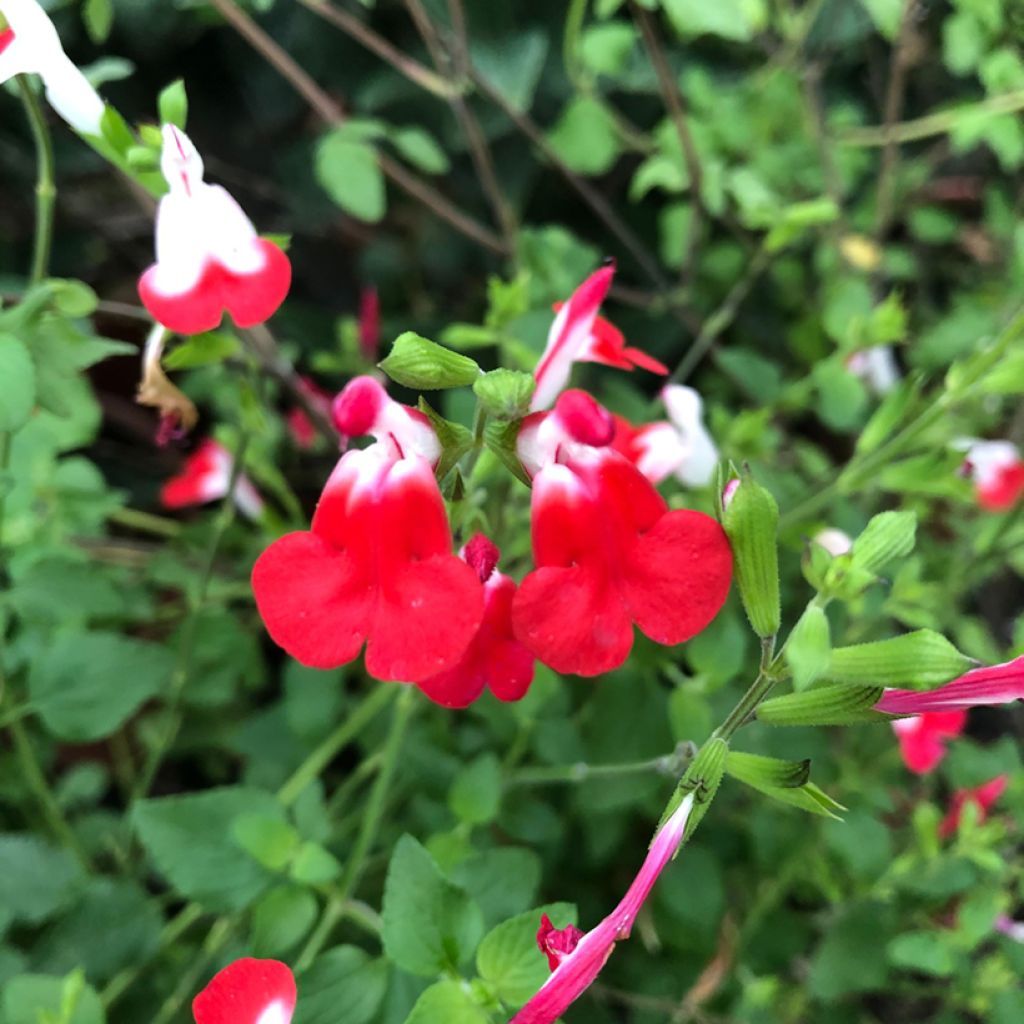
x=505, y=394
x=424, y=365
x=916, y=660
x=888, y=536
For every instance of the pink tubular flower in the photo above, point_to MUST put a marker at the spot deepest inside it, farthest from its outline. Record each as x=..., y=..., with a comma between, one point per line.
x=376, y=565
x=983, y=797
x=205, y=477
x=578, y=334
x=30, y=44
x=247, y=991
x=608, y=551
x=299, y=424
x=997, y=471
x=494, y=658
x=993, y=684
x=209, y=258
x=369, y=323
x=923, y=738
x=681, y=447
x=576, y=957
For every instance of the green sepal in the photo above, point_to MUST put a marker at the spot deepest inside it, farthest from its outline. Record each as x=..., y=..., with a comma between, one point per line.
x=808, y=648
x=751, y=520
x=917, y=660
x=505, y=394
x=887, y=536
x=501, y=438
x=172, y=103
x=785, y=781
x=702, y=778
x=418, y=363
x=455, y=439
x=824, y=705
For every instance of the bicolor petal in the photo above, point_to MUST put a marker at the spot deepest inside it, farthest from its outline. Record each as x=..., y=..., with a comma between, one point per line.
x=876, y=367
x=209, y=259
x=30, y=44
x=923, y=738
x=206, y=476
x=575, y=957
x=248, y=991
x=992, y=684
x=686, y=413
x=997, y=471
x=982, y=797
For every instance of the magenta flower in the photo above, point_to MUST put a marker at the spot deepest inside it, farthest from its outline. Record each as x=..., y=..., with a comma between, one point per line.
x=576, y=957
x=923, y=738
x=983, y=797
x=993, y=684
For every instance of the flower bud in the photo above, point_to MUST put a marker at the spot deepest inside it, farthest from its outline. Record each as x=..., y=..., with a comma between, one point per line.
x=505, y=394
x=703, y=777
x=751, y=518
x=424, y=365
x=889, y=535
x=917, y=660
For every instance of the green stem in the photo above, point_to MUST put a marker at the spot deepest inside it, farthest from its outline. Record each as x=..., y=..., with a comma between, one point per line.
x=758, y=690
x=671, y=765
x=186, y=648
x=367, y=709
x=46, y=189
x=144, y=522
x=372, y=816
x=217, y=938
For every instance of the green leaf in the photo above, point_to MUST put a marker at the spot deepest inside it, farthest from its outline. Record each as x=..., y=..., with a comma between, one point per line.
x=841, y=397
x=585, y=137
x=852, y=956
x=508, y=958
x=824, y=705
x=281, y=920
x=173, y=104
x=512, y=63
x=189, y=840
x=267, y=838
x=890, y=414
x=343, y=984
x=349, y=172
x=36, y=879
x=114, y=130
x=501, y=438
x=886, y=15
x=505, y=394
x=430, y=925
x=447, y=1001
x=202, y=350
x=502, y=881
x=917, y=660
x=475, y=795
x=729, y=19
x=423, y=365
x=314, y=865
x=84, y=685
x=39, y=998
x=98, y=16
x=420, y=149
x=76, y=299
x=18, y=395
x=926, y=952
x=808, y=648
x=887, y=536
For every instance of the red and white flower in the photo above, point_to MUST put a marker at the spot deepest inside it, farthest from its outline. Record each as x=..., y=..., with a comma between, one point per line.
x=991, y=684
x=680, y=447
x=576, y=957
x=376, y=566
x=997, y=472
x=30, y=45
x=299, y=424
x=578, y=334
x=923, y=738
x=494, y=659
x=982, y=797
x=209, y=259
x=609, y=553
x=206, y=476
x=876, y=367
x=247, y=991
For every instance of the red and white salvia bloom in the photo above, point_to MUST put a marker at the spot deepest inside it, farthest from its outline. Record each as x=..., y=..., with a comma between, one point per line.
x=997, y=471
x=30, y=45
x=834, y=541
x=494, y=660
x=876, y=367
x=377, y=565
x=991, y=684
x=609, y=553
x=983, y=797
x=680, y=447
x=299, y=424
x=579, y=335
x=209, y=259
x=1010, y=928
x=576, y=957
x=206, y=476
x=923, y=738
x=247, y=991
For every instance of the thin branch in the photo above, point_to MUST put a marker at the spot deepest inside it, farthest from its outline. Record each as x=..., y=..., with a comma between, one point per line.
x=331, y=113
x=816, y=115
x=676, y=106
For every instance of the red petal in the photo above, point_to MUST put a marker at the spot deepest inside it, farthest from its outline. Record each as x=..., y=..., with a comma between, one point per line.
x=192, y=312
x=1005, y=490
x=244, y=992
x=316, y=601
x=254, y=298
x=638, y=357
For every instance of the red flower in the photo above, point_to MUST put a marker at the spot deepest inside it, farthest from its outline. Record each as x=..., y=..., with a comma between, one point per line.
x=494, y=658
x=205, y=477
x=578, y=334
x=299, y=424
x=983, y=797
x=247, y=992
x=209, y=258
x=997, y=469
x=608, y=551
x=376, y=565
x=576, y=957
x=923, y=738
x=991, y=684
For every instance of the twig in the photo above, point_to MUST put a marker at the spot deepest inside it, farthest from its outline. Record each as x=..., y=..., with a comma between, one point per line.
x=331, y=113
x=676, y=105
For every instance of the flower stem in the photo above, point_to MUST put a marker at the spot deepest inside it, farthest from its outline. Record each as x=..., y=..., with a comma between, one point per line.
x=46, y=189
x=372, y=816
x=671, y=765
